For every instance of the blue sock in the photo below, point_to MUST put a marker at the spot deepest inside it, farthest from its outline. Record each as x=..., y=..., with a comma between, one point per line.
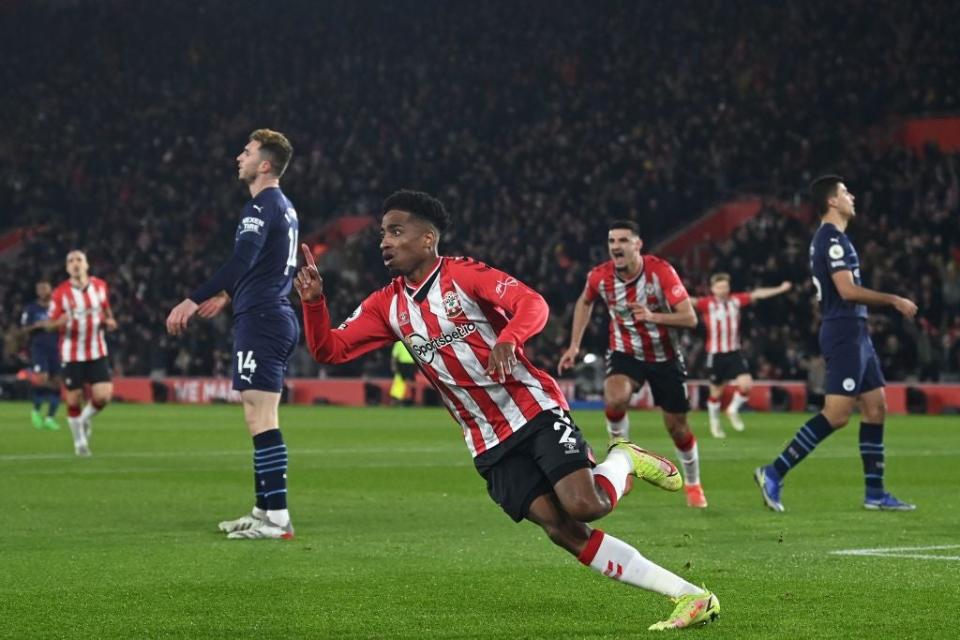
x=53, y=397
x=37, y=395
x=808, y=437
x=270, y=467
x=871, y=452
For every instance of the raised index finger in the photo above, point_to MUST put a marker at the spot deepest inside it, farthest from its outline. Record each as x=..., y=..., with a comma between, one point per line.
x=308, y=255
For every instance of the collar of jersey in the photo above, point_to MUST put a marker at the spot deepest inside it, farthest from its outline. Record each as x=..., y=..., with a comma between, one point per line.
x=419, y=293
x=643, y=267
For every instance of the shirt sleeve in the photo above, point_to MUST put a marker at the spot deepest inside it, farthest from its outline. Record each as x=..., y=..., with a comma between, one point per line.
x=743, y=298
x=592, y=289
x=56, y=305
x=672, y=286
x=365, y=330
x=225, y=279
x=703, y=304
x=836, y=253
x=526, y=309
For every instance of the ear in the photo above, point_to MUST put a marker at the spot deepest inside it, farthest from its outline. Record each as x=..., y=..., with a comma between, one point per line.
x=639, y=244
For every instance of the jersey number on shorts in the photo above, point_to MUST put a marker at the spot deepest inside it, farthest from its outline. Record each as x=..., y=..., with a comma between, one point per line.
x=246, y=362
x=567, y=430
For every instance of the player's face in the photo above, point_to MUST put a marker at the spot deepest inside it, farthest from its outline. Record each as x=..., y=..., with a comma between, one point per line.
x=844, y=201
x=77, y=265
x=720, y=288
x=43, y=290
x=624, y=248
x=405, y=242
x=248, y=162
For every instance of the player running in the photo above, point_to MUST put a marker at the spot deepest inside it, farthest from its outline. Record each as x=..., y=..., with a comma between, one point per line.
x=853, y=369
x=44, y=358
x=647, y=304
x=258, y=278
x=466, y=324
x=80, y=309
x=725, y=362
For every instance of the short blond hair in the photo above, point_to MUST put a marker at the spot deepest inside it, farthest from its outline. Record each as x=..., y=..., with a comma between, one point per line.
x=719, y=277
x=276, y=147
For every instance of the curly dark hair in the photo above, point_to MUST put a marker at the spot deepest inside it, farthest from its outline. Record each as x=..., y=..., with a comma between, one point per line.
x=419, y=204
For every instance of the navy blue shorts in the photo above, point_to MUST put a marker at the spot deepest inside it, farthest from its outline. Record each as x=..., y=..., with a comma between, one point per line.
x=853, y=367
x=262, y=345
x=45, y=360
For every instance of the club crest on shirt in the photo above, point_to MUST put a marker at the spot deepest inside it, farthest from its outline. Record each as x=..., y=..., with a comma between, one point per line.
x=403, y=317
x=651, y=289
x=451, y=305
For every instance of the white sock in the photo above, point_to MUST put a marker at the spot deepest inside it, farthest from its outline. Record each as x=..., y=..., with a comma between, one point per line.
x=713, y=409
x=89, y=411
x=690, y=461
x=76, y=428
x=620, y=428
x=619, y=561
x=258, y=512
x=612, y=474
x=279, y=517
x=738, y=401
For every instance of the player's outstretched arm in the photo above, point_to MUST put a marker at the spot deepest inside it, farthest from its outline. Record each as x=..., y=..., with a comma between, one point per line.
x=582, y=310
x=308, y=283
x=762, y=293
x=850, y=291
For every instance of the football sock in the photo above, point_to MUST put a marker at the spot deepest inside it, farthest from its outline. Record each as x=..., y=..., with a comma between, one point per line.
x=611, y=475
x=689, y=456
x=76, y=425
x=738, y=401
x=619, y=561
x=871, y=452
x=804, y=442
x=713, y=409
x=270, y=463
x=618, y=424
x=93, y=408
x=37, y=396
x=53, y=397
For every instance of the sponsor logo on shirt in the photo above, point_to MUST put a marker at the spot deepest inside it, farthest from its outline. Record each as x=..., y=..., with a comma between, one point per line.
x=425, y=348
x=250, y=225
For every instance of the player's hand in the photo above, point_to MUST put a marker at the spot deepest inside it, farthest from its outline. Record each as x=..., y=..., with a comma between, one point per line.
x=180, y=316
x=503, y=359
x=212, y=306
x=568, y=359
x=110, y=323
x=308, y=282
x=640, y=312
x=906, y=307
x=785, y=286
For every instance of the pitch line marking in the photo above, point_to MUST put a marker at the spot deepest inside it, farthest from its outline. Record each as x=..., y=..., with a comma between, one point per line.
x=901, y=552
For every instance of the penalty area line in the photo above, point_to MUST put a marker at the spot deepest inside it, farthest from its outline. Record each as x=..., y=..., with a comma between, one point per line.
x=915, y=553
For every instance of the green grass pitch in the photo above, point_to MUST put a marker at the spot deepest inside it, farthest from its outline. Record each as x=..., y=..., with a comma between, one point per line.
x=396, y=537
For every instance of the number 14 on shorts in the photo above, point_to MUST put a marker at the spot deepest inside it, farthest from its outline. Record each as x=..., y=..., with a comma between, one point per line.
x=246, y=363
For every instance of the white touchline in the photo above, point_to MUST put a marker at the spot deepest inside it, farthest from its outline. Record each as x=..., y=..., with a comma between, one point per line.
x=901, y=552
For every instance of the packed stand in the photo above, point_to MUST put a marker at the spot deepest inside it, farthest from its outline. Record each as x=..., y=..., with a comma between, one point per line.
x=536, y=127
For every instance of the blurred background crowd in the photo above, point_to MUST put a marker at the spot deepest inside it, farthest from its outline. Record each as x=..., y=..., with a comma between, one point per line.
x=535, y=123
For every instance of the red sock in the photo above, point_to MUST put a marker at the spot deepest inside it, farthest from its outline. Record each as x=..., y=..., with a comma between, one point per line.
x=73, y=412
x=98, y=405
x=685, y=443
x=613, y=415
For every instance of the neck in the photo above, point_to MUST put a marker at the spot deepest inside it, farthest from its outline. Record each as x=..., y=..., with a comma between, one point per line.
x=79, y=281
x=630, y=271
x=263, y=181
x=833, y=217
x=419, y=274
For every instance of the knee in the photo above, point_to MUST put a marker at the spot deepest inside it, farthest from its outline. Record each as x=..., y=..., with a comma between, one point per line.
x=837, y=419
x=616, y=400
x=585, y=509
x=875, y=413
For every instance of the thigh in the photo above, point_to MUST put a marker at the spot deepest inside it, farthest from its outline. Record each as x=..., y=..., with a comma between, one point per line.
x=668, y=384
x=263, y=344
x=260, y=410
x=844, y=374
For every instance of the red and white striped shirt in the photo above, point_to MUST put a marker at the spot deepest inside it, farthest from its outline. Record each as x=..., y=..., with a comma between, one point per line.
x=81, y=339
x=450, y=322
x=658, y=287
x=722, y=321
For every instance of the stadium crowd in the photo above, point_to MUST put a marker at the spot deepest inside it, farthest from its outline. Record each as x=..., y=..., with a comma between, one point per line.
x=535, y=126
